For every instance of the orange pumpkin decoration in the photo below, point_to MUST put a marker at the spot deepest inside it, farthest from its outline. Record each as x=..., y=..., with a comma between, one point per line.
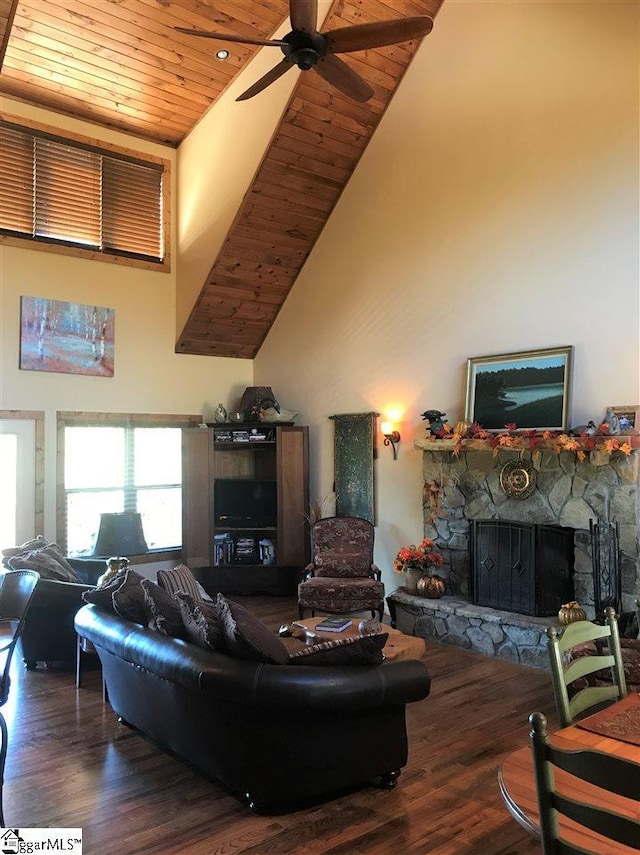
x=570, y=612
x=431, y=587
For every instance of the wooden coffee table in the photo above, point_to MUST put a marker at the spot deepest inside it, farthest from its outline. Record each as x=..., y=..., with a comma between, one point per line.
x=398, y=646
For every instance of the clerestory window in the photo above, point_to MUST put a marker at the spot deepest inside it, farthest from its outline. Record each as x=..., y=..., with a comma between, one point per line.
x=64, y=193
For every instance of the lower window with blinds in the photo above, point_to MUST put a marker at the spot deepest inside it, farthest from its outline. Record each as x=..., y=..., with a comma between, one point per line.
x=113, y=463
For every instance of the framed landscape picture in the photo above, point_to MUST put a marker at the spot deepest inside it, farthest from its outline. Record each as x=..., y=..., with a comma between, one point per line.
x=530, y=389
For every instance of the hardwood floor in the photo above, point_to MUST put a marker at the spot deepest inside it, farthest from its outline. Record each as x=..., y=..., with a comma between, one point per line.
x=70, y=764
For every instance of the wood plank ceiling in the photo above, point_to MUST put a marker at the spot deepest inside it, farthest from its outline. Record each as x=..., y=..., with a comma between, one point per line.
x=120, y=64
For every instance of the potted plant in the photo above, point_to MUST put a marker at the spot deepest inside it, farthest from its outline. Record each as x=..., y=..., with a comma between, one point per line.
x=416, y=562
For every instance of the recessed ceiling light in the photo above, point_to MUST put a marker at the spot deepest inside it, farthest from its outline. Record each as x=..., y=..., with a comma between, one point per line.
x=222, y=54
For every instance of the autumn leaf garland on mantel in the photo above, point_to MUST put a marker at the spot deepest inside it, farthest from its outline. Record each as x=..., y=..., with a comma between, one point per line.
x=534, y=440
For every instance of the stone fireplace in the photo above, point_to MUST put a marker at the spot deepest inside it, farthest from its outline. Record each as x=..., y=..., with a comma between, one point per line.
x=569, y=493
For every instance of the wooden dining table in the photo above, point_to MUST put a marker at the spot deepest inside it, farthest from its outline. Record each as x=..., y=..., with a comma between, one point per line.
x=518, y=789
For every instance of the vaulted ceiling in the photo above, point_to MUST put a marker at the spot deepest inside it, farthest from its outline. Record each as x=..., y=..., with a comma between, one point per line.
x=121, y=64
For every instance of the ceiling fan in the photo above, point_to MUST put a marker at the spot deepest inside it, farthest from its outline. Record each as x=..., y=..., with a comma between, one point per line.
x=307, y=48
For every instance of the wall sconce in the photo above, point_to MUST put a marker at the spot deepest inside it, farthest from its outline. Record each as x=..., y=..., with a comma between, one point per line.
x=391, y=437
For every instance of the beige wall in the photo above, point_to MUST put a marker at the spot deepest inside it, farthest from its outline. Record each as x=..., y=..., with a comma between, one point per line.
x=495, y=210
x=149, y=376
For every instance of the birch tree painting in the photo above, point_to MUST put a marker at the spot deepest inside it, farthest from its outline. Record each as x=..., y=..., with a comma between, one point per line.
x=69, y=338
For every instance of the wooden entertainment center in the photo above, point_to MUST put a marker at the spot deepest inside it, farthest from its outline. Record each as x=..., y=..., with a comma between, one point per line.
x=245, y=506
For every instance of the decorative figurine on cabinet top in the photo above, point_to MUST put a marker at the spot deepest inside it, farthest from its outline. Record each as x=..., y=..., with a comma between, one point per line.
x=220, y=414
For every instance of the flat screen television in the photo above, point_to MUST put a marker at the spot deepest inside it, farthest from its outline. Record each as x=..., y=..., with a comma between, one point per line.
x=245, y=504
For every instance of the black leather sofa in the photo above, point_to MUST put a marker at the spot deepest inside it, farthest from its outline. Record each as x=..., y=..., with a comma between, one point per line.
x=276, y=736
x=49, y=634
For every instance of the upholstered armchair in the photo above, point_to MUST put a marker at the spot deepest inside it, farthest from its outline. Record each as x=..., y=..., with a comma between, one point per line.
x=48, y=634
x=341, y=578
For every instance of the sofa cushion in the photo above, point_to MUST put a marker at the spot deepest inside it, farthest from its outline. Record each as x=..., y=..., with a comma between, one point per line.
x=128, y=598
x=181, y=578
x=336, y=564
x=201, y=623
x=365, y=650
x=246, y=637
x=48, y=560
x=103, y=594
x=162, y=610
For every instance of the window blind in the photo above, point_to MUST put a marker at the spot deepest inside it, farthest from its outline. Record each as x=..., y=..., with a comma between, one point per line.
x=16, y=180
x=65, y=192
x=132, y=208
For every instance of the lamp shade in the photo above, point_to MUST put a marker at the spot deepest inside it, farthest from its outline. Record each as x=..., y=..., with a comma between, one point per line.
x=120, y=534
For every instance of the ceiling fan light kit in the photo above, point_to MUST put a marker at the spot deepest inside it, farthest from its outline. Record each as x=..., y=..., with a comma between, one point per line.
x=306, y=48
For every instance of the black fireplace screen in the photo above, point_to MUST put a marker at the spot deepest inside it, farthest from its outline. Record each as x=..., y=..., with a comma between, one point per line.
x=522, y=568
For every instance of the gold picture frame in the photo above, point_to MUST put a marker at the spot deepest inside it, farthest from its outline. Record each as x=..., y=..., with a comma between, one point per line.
x=629, y=417
x=530, y=389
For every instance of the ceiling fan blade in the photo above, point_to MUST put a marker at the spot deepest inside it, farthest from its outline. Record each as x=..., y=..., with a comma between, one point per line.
x=339, y=74
x=270, y=77
x=304, y=15
x=229, y=37
x=378, y=34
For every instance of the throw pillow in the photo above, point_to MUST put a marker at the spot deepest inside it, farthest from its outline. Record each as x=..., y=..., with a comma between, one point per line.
x=246, y=637
x=37, y=543
x=181, y=578
x=47, y=560
x=103, y=594
x=365, y=650
x=163, y=612
x=341, y=564
x=128, y=598
x=201, y=623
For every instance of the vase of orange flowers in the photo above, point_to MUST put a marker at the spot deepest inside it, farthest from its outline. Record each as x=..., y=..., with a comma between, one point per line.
x=415, y=562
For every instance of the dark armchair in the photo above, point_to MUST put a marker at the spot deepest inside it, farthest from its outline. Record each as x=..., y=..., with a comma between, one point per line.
x=48, y=634
x=342, y=578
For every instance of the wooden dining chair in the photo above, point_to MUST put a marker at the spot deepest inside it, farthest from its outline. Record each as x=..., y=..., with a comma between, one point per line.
x=16, y=593
x=610, y=773
x=562, y=647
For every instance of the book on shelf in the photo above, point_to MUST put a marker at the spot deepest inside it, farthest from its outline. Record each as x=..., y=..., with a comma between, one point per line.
x=222, y=549
x=333, y=624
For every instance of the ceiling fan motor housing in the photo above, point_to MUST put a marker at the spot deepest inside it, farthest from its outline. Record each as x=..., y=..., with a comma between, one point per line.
x=303, y=49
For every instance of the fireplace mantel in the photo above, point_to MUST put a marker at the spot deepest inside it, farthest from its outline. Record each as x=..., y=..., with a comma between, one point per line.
x=596, y=445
